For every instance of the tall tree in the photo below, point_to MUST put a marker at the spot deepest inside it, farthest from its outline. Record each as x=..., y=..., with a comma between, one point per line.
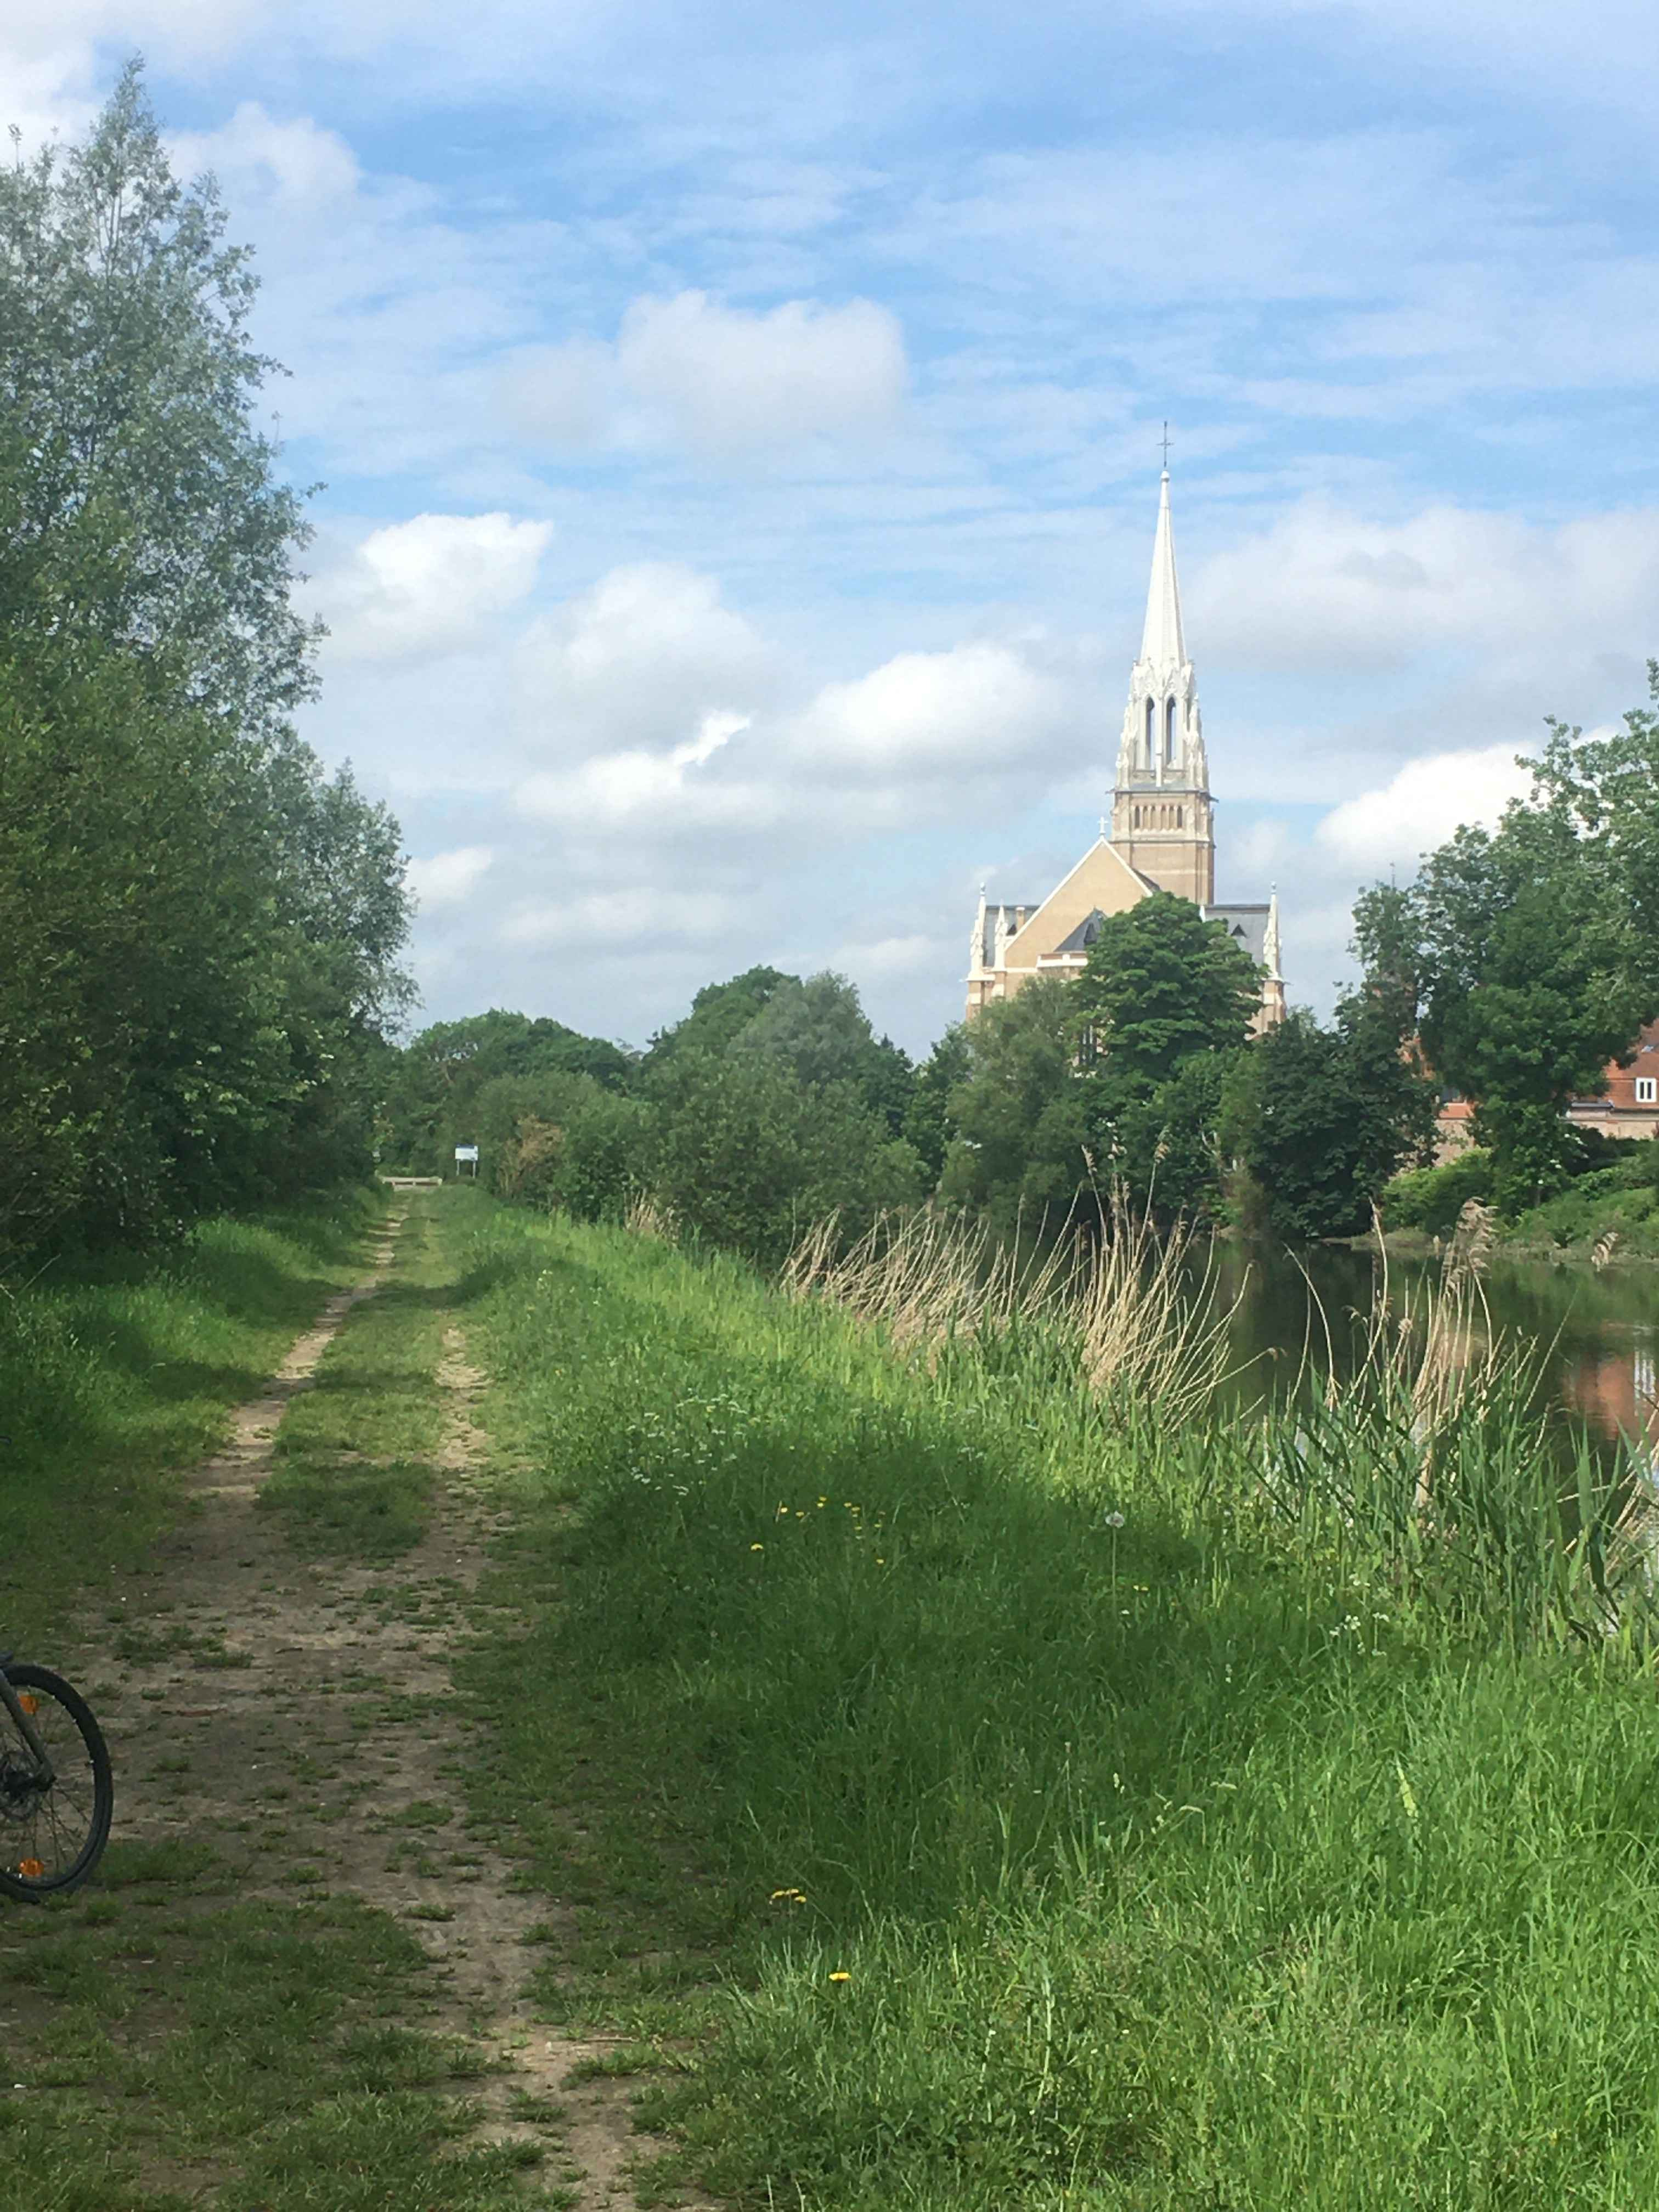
x=927, y=1124
x=139, y=501
x=1537, y=972
x=1021, y=1144
x=220, y=922
x=1160, y=984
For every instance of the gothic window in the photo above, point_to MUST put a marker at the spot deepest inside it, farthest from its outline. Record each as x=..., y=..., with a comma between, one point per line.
x=1169, y=731
x=1151, y=732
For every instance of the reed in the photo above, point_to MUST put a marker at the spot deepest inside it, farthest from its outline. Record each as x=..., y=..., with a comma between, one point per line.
x=1135, y=1315
x=650, y=1216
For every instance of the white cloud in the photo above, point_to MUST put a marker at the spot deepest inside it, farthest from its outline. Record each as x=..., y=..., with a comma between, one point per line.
x=449, y=879
x=295, y=163
x=978, y=707
x=1421, y=807
x=730, y=382
x=433, y=585
x=1324, y=587
x=640, y=914
x=723, y=381
x=637, y=663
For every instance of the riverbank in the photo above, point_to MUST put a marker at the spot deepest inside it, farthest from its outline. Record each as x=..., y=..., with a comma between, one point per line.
x=983, y=1804
x=912, y=1775
x=1609, y=1210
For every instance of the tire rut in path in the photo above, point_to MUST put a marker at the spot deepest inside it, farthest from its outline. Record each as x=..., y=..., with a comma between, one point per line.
x=300, y=1716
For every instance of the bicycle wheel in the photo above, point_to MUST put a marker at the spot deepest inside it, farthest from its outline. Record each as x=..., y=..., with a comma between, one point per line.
x=51, y=1836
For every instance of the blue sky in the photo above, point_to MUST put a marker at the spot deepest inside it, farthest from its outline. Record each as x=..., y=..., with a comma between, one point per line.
x=740, y=431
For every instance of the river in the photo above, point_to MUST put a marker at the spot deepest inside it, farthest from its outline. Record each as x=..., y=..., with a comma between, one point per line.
x=1596, y=1333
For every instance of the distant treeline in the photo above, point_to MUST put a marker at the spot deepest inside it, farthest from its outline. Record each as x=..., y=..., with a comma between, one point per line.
x=201, y=930
x=773, y=1104
x=1519, y=964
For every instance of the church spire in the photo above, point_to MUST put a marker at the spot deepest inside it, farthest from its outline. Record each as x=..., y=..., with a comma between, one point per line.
x=1162, y=816
x=1161, y=643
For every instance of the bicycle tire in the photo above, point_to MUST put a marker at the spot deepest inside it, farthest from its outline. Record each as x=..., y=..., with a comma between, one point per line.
x=50, y=1840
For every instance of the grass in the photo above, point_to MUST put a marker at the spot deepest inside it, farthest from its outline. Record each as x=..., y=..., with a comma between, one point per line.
x=177, y=2045
x=994, y=1796
x=352, y=1474
x=112, y=1382
x=212, y=2021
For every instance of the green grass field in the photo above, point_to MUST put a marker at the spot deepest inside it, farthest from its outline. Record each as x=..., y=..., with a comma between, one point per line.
x=114, y=1381
x=976, y=1801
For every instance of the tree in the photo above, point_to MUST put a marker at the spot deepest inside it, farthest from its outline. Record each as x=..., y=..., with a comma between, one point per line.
x=1160, y=984
x=750, y=1157
x=141, y=505
x=1537, y=968
x=431, y=1093
x=217, y=923
x=563, y=1139
x=719, y=1013
x=820, y=1029
x=1020, y=1150
x=1307, y=1143
x=927, y=1124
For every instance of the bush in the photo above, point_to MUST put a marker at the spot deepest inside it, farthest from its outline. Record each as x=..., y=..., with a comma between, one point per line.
x=563, y=1141
x=1431, y=1199
x=749, y=1156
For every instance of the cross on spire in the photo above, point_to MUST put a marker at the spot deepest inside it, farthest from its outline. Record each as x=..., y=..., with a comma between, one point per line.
x=1165, y=443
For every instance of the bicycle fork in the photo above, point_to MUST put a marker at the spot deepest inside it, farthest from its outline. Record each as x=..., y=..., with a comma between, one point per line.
x=43, y=1777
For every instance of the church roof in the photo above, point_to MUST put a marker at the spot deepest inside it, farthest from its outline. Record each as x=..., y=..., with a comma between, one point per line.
x=1161, y=642
x=1246, y=926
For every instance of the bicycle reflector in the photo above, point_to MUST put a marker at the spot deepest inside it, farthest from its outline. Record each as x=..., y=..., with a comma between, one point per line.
x=29, y=1705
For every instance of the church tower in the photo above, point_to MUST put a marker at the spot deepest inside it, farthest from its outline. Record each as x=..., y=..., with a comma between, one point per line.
x=1162, y=818
x=1163, y=830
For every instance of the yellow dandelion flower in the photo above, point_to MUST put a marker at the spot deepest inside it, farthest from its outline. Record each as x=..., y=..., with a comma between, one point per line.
x=757, y=1548
x=840, y=1977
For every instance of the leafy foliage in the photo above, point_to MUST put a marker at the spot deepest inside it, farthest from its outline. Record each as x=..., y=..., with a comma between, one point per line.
x=749, y=1156
x=1021, y=1133
x=1533, y=951
x=433, y=1094
x=1161, y=984
x=202, y=930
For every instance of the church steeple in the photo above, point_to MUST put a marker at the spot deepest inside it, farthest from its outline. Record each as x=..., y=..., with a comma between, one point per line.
x=1161, y=640
x=1162, y=819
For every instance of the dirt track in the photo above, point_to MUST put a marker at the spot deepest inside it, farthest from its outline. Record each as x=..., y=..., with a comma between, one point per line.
x=300, y=1716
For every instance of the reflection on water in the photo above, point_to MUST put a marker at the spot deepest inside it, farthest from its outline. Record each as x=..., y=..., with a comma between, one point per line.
x=1596, y=1335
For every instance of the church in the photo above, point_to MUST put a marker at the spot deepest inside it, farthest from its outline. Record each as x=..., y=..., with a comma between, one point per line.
x=1163, y=829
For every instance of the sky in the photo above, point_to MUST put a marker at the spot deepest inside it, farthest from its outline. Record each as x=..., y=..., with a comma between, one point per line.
x=740, y=434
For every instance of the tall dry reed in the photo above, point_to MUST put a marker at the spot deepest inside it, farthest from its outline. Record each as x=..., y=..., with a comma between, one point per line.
x=1136, y=1312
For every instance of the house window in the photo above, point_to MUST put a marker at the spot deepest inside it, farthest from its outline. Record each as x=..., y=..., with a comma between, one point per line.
x=1647, y=1090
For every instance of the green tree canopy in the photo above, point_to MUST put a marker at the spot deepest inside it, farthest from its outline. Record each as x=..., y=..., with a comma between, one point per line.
x=433, y=1089
x=139, y=503
x=203, y=945
x=1535, y=960
x=927, y=1124
x=750, y=1157
x=1022, y=1135
x=719, y=1013
x=1160, y=984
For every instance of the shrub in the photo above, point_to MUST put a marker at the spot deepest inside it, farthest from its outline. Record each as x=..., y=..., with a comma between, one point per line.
x=1431, y=1199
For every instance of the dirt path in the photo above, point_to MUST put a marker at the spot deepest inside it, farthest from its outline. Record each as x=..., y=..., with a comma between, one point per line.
x=300, y=1714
